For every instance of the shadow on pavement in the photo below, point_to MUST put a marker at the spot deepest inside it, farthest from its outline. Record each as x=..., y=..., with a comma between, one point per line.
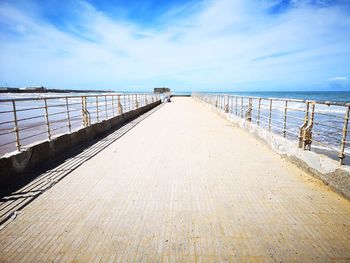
x=15, y=197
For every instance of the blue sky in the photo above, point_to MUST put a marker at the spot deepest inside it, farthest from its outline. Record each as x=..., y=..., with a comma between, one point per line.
x=222, y=45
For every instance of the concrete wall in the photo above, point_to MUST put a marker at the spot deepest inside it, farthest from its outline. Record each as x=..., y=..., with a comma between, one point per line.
x=24, y=162
x=320, y=166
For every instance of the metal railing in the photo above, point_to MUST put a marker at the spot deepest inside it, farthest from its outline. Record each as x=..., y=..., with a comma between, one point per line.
x=24, y=121
x=322, y=124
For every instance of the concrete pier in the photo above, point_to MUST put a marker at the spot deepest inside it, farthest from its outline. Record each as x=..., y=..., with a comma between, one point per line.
x=179, y=184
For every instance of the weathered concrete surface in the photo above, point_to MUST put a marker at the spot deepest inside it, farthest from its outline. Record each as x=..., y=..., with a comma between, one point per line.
x=20, y=164
x=321, y=166
x=183, y=185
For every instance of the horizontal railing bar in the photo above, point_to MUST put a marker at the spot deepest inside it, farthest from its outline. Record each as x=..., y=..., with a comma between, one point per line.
x=72, y=110
x=276, y=127
x=330, y=115
x=31, y=127
x=329, y=126
x=294, y=109
x=74, y=96
x=7, y=143
x=289, y=109
x=26, y=109
x=76, y=117
x=34, y=108
x=8, y=132
x=8, y=111
x=295, y=117
x=266, y=117
x=328, y=103
x=291, y=132
x=36, y=134
x=6, y=122
x=62, y=105
x=58, y=128
x=31, y=118
x=61, y=120
x=58, y=113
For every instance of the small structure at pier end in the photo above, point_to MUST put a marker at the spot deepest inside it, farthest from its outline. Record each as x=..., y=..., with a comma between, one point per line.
x=161, y=90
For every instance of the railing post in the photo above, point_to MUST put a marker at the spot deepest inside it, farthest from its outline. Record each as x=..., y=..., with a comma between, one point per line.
x=146, y=99
x=68, y=116
x=84, y=112
x=129, y=108
x=136, y=102
x=223, y=102
x=248, y=115
x=47, y=120
x=18, y=144
x=236, y=105
x=113, y=105
x=343, y=139
x=106, y=107
x=97, y=117
x=270, y=114
x=227, y=104
x=83, y=119
x=307, y=135
x=258, y=117
x=285, y=118
x=241, y=107
x=302, y=127
x=120, y=107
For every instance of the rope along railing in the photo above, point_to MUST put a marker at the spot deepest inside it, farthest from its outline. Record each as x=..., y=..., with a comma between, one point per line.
x=322, y=124
x=24, y=121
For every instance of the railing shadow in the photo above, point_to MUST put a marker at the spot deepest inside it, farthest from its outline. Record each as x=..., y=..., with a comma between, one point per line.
x=17, y=196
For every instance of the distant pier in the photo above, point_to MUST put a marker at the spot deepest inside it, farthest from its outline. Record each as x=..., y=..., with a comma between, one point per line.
x=177, y=183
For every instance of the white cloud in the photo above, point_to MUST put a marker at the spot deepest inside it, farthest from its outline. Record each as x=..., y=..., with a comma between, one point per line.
x=338, y=79
x=216, y=46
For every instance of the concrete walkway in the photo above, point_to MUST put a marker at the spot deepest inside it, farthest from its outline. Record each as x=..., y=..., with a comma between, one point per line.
x=182, y=185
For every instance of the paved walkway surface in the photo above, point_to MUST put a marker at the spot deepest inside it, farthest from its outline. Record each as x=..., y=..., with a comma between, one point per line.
x=182, y=186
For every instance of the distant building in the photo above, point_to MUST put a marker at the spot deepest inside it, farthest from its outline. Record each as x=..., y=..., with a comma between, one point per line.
x=161, y=90
x=6, y=89
x=36, y=88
